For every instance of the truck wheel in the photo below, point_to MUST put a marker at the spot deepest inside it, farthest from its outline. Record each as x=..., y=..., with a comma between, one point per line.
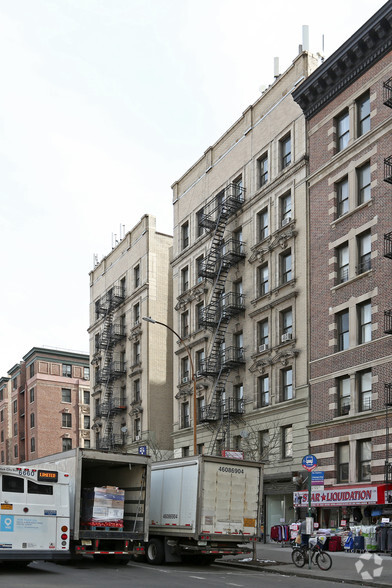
x=155, y=552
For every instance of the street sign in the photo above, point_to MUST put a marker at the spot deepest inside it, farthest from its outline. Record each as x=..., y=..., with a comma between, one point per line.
x=317, y=479
x=309, y=462
x=142, y=450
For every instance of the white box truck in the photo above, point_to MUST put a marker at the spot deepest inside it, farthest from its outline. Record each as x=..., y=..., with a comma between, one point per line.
x=202, y=508
x=88, y=469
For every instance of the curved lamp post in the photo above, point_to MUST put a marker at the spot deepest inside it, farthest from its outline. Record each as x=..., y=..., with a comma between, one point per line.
x=153, y=321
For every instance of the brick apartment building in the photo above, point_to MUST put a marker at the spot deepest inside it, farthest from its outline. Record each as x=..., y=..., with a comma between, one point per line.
x=44, y=405
x=347, y=102
x=132, y=359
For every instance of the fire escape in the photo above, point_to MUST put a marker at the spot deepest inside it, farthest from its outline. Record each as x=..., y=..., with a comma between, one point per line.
x=224, y=252
x=112, y=369
x=387, y=98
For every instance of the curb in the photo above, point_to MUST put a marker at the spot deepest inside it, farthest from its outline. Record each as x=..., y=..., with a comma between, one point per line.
x=271, y=568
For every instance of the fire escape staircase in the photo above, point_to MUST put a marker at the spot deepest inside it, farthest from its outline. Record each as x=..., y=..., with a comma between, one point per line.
x=111, y=370
x=223, y=254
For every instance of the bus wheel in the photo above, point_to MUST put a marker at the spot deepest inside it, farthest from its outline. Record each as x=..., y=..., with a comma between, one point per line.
x=155, y=552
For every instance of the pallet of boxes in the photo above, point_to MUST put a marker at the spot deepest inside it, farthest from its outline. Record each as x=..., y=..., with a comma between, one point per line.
x=103, y=508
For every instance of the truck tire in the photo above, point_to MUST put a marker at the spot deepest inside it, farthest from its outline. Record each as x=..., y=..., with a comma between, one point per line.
x=155, y=552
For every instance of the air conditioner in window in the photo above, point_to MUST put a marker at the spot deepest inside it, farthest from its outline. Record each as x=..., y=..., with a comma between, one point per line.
x=137, y=437
x=263, y=347
x=185, y=380
x=286, y=221
x=286, y=337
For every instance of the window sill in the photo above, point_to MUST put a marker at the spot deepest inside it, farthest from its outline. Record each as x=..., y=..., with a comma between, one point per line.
x=350, y=213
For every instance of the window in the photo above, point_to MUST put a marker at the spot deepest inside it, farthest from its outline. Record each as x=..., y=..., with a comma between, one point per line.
x=1, y=416
x=67, y=370
x=86, y=397
x=286, y=317
x=2, y=436
x=286, y=266
x=32, y=370
x=364, y=247
x=184, y=279
x=238, y=291
x=136, y=314
x=285, y=151
x=263, y=444
x=86, y=421
x=342, y=462
x=199, y=221
x=66, y=420
x=32, y=420
x=66, y=395
x=364, y=453
x=263, y=280
x=67, y=444
x=185, y=377
x=86, y=373
x=344, y=395
x=364, y=183
x=365, y=390
x=363, y=110
x=15, y=429
x=262, y=224
x=185, y=451
x=32, y=449
x=262, y=165
x=238, y=393
x=287, y=442
x=238, y=187
x=285, y=209
x=199, y=268
x=200, y=409
x=15, y=406
x=199, y=315
x=136, y=353
x=87, y=444
x=185, y=420
x=136, y=276
x=123, y=287
x=287, y=383
x=342, y=197
x=16, y=451
x=343, y=130
x=342, y=328
x=200, y=357
x=263, y=335
x=185, y=235
x=12, y=484
x=97, y=308
x=137, y=427
x=185, y=324
x=343, y=266
x=2, y=457
x=263, y=389
x=364, y=322
x=136, y=390
x=14, y=383
x=32, y=394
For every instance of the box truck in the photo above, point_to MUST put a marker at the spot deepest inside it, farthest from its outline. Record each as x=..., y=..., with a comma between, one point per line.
x=109, y=501
x=203, y=508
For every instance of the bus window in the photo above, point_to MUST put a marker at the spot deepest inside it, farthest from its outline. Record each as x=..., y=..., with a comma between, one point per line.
x=12, y=484
x=34, y=488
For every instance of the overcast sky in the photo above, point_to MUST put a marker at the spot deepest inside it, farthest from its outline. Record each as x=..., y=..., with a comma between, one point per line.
x=103, y=105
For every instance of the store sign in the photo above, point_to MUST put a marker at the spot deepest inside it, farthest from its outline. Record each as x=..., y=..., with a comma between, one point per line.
x=342, y=497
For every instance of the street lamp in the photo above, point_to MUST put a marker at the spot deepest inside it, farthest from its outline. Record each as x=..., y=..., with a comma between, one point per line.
x=153, y=321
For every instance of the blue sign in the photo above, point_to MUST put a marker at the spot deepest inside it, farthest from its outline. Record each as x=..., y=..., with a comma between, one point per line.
x=7, y=523
x=142, y=450
x=317, y=478
x=309, y=462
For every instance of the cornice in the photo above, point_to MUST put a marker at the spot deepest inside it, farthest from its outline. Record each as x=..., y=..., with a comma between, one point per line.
x=358, y=54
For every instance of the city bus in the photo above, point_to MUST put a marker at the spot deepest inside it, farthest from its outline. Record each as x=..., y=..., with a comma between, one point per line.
x=34, y=514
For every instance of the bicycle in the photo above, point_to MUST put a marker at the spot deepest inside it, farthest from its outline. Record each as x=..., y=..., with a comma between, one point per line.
x=300, y=555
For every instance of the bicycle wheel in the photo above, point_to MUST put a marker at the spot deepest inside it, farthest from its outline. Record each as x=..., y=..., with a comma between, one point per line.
x=298, y=558
x=323, y=560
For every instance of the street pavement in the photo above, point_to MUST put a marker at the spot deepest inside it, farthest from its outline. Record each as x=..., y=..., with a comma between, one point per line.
x=364, y=569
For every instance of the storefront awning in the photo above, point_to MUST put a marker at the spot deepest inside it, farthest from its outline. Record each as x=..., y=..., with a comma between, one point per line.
x=344, y=496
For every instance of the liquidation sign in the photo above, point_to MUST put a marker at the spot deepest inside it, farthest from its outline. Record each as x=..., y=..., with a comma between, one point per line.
x=338, y=497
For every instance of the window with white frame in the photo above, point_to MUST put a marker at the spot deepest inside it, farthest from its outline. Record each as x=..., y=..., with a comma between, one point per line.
x=263, y=386
x=364, y=248
x=363, y=113
x=286, y=321
x=285, y=209
x=185, y=373
x=286, y=266
x=364, y=312
x=285, y=151
x=66, y=395
x=136, y=276
x=287, y=442
x=364, y=183
x=344, y=395
x=185, y=418
x=343, y=130
x=342, y=324
x=185, y=324
x=264, y=441
x=343, y=263
x=184, y=235
x=263, y=280
x=364, y=380
x=262, y=224
x=342, y=196
x=364, y=455
x=343, y=455
x=263, y=335
x=287, y=383
x=66, y=420
x=67, y=370
x=185, y=279
x=199, y=268
x=199, y=315
x=262, y=165
x=199, y=222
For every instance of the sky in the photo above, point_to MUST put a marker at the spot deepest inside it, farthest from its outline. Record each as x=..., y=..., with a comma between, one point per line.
x=103, y=105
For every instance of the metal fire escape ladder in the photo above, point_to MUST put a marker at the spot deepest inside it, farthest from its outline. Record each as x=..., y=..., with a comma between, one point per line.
x=216, y=266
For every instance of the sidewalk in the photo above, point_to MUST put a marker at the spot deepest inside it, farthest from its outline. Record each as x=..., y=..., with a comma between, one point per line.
x=365, y=569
